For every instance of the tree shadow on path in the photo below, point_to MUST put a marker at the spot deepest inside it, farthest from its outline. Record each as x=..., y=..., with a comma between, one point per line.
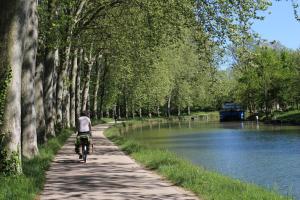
x=108, y=174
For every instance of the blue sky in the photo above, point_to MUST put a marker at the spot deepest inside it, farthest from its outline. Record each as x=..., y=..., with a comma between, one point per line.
x=280, y=25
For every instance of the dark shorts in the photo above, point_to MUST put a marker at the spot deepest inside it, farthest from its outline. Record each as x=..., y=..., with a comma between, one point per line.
x=84, y=133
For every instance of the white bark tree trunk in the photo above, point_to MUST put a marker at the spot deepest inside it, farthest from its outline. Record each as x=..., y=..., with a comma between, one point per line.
x=73, y=89
x=158, y=111
x=29, y=135
x=59, y=97
x=78, y=85
x=86, y=87
x=63, y=98
x=140, y=112
x=133, y=111
x=66, y=87
x=13, y=17
x=96, y=89
x=56, y=67
x=107, y=112
x=39, y=105
x=48, y=80
x=119, y=112
x=126, y=109
x=169, y=106
x=48, y=93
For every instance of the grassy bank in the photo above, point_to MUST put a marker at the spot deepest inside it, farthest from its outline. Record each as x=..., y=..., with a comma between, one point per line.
x=288, y=117
x=200, y=116
x=101, y=121
x=204, y=183
x=30, y=184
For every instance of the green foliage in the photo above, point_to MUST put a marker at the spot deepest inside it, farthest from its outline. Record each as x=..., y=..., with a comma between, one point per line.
x=5, y=77
x=269, y=81
x=145, y=43
x=10, y=163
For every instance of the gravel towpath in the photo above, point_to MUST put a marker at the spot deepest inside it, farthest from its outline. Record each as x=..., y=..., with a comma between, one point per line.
x=108, y=174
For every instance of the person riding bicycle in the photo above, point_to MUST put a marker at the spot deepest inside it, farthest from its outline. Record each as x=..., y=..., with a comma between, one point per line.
x=84, y=129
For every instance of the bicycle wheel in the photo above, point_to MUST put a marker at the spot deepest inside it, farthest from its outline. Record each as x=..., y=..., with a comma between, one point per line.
x=84, y=152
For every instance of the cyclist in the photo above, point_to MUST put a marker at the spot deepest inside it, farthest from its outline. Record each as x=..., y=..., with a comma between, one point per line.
x=84, y=129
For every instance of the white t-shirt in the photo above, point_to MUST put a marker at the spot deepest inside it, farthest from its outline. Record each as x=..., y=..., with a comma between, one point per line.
x=84, y=123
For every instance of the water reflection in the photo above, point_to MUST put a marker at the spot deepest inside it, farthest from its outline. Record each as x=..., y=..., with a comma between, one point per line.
x=265, y=155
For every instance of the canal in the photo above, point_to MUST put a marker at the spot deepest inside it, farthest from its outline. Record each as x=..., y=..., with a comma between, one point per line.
x=262, y=154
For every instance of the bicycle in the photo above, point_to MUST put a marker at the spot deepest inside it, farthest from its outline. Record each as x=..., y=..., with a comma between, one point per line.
x=85, y=142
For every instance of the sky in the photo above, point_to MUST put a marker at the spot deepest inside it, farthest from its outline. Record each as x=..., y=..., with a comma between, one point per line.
x=280, y=25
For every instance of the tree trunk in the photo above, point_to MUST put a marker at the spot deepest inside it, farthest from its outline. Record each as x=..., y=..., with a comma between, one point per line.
x=63, y=100
x=78, y=85
x=13, y=17
x=119, y=112
x=39, y=105
x=189, y=110
x=169, y=106
x=29, y=135
x=48, y=93
x=59, y=97
x=179, y=111
x=107, y=113
x=104, y=72
x=115, y=111
x=88, y=106
x=126, y=109
x=48, y=80
x=140, y=112
x=73, y=89
x=66, y=93
x=158, y=111
x=56, y=66
x=95, y=101
x=133, y=112
x=86, y=88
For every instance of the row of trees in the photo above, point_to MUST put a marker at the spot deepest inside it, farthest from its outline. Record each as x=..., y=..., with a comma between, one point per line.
x=267, y=78
x=61, y=57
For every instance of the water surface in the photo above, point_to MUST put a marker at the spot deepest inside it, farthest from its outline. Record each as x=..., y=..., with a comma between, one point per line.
x=265, y=155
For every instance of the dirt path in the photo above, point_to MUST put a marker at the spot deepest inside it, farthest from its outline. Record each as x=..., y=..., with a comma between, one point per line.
x=108, y=174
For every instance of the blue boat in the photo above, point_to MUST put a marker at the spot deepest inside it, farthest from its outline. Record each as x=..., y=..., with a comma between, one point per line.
x=232, y=112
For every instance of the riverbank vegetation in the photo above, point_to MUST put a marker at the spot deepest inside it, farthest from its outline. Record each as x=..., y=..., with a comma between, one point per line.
x=28, y=185
x=266, y=80
x=289, y=117
x=204, y=183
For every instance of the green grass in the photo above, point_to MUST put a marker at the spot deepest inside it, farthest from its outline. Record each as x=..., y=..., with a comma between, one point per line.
x=30, y=184
x=212, y=116
x=205, y=184
x=290, y=116
x=211, y=113
x=102, y=121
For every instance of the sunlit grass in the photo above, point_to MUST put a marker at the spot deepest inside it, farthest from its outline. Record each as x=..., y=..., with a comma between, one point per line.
x=291, y=116
x=102, y=121
x=205, y=184
x=30, y=184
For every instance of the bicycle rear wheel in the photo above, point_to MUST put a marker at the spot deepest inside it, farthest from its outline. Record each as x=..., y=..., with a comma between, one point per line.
x=84, y=152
